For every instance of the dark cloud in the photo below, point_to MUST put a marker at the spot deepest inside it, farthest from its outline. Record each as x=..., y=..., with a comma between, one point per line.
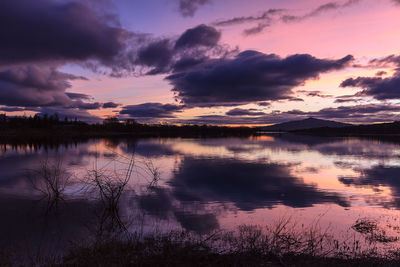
x=34, y=85
x=201, y=35
x=295, y=99
x=264, y=20
x=191, y=48
x=56, y=24
x=319, y=10
x=385, y=61
x=79, y=96
x=86, y=105
x=271, y=16
x=250, y=76
x=110, y=105
x=157, y=55
x=39, y=37
x=151, y=110
x=367, y=112
x=377, y=87
x=86, y=33
x=244, y=112
x=239, y=20
x=247, y=185
x=187, y=62
x=189, y=7
x=257, y=29
x=347, y=99
x=11, y=109
x=39, y=87
x=380, y=73
x=264, y=104
x=314, y=93
x=224, y=120
x=46, y=30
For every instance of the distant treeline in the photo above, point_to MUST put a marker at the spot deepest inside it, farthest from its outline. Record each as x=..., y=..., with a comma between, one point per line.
x=45, y=121
x=53, y=126
x=392, y=128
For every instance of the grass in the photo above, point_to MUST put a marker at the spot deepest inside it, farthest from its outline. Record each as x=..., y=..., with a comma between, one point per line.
x=248, y=246
x=281, y=244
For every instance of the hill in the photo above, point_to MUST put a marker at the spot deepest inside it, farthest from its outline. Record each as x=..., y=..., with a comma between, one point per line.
x=309, y=123
x=392, y=128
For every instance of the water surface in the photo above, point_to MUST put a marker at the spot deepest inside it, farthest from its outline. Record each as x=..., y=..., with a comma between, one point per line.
x=203, y=185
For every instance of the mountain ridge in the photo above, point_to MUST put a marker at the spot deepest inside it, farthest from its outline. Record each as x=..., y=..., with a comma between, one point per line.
x=378, y=129
x=305, y=124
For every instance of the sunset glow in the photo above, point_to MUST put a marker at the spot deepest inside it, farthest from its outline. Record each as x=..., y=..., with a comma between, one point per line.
x=156, y=52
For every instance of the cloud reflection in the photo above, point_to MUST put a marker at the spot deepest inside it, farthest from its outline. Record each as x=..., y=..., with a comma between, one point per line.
x=248, y=185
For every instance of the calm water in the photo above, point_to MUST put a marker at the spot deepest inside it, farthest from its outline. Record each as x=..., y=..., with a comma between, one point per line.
x=204, y=185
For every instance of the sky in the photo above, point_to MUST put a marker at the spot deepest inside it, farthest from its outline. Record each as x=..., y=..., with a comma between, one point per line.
x=231, y=62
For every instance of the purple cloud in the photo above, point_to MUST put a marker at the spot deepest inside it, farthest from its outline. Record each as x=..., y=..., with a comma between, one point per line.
x=189, y=7
x=151, y=110
x=248, y=77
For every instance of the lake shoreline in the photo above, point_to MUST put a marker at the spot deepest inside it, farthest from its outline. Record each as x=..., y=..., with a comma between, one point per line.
x=246, y=248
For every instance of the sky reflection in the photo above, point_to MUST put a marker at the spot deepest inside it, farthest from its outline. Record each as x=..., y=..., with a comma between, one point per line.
x=209, y=184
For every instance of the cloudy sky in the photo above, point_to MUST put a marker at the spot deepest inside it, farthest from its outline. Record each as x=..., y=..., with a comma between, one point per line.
x=233, y=62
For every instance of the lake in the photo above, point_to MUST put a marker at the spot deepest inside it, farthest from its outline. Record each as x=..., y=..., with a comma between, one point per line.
x=198, y=185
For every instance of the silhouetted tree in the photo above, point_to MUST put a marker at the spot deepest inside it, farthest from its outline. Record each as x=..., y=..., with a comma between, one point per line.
x=111, y=120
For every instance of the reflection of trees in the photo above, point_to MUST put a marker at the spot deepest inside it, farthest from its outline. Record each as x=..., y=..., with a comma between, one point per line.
x=50, y=180
x=109, y=187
